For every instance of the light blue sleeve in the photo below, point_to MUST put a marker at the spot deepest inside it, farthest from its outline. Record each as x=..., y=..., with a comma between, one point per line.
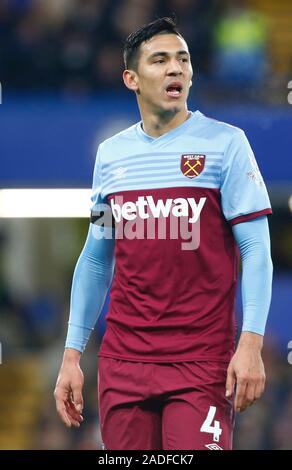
x=253, y=240
x=91, y=280
x=101, y=213
x=93, y=272
x=243, y=190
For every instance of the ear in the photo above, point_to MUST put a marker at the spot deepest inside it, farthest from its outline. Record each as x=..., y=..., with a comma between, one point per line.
x=130, y=78
x=192, y=76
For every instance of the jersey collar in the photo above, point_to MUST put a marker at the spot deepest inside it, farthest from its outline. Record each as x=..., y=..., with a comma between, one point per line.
x=177, y=130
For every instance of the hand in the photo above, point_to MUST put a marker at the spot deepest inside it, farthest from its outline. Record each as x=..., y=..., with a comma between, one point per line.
x=68, y=390
x=246, y=369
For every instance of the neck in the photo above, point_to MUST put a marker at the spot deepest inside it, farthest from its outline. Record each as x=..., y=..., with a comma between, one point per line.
x=155, y=124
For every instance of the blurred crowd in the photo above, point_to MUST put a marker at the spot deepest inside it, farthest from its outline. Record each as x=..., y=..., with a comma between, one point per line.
x=76, y=45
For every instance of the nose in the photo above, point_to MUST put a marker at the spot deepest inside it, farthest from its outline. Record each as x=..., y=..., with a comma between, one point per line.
x=174, y=68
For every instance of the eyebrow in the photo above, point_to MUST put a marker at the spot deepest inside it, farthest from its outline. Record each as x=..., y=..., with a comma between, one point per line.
x=164, y=54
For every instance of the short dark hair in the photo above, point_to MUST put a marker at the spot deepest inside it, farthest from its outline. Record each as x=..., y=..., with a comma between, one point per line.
x=132, y=44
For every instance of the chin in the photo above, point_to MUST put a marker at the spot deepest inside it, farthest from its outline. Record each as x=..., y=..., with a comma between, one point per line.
x=176, y=108
x=173, y=107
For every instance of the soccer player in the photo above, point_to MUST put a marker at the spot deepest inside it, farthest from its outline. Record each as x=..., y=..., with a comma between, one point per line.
x=185, y=194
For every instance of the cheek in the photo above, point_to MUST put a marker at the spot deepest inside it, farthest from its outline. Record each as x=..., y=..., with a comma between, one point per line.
x=151, y=87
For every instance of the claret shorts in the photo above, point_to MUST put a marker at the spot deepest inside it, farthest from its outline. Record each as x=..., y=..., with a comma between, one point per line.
x=164, y=406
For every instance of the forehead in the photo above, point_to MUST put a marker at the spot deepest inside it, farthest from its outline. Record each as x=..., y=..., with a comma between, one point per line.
x=169, y=43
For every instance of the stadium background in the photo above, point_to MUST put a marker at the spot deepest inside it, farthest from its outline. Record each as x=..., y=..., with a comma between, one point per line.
x=62, y=93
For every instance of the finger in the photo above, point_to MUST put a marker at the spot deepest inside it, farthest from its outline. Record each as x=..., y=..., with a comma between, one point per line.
x=72, y=411
x=230, y=382
x=61, y=397
x=72, y=418
x=61, y=409
x=250, y=396
x=240, y=395
x=77, y=398
x=263, y=384
x=259, y=389
x=73, y=414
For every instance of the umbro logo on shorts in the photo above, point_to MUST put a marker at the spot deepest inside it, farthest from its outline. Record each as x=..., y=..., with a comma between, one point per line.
x=213, y=446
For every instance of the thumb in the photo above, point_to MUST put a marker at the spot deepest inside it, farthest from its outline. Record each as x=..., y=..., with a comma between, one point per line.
x=230, y=381
x=78, y=399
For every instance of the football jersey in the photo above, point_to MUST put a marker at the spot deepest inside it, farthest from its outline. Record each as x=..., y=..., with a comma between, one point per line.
x=174, y=199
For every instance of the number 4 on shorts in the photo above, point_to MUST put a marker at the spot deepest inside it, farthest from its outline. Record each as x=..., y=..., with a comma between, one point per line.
x=207, y=425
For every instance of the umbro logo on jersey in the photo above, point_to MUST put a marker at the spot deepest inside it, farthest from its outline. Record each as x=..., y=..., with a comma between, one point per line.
x=119, y=172
x=192, y=164
x=162, y=208
x=213, y=446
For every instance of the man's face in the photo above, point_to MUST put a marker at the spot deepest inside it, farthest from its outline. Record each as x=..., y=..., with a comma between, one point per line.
x=164, y=73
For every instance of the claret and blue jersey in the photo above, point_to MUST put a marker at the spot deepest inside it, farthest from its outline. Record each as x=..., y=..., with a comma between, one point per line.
x=169, y=304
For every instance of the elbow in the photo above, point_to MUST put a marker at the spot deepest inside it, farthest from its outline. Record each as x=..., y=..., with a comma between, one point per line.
x=265, y=267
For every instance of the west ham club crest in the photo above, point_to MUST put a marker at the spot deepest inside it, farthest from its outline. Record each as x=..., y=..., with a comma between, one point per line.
x=192, y=164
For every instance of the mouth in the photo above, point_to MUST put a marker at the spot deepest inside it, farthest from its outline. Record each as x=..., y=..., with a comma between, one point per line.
x=174, y=90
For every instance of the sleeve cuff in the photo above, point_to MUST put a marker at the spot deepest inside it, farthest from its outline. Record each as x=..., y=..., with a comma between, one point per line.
x=251, y=216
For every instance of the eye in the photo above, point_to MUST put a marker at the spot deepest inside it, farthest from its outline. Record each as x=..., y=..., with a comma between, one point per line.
x=184, y=59
x=160, y=61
